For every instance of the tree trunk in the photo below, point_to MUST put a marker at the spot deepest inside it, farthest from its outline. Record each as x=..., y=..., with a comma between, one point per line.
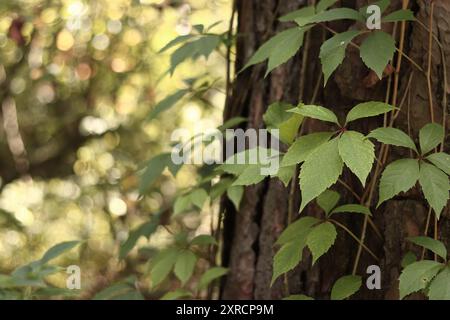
x=249, y=235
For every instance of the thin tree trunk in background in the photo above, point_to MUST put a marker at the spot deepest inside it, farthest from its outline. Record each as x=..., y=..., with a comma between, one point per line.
x=249, y=234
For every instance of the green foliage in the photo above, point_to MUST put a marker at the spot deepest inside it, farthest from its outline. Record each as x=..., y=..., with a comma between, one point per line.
x=399, y=15
x=122, y=290
x=368, y=109
x=435, y=186
x=292, y=241
x=196, y=197
x=430, y=136
x=320, y=239
x=440, y=160
x=345, y=286
x=297, y=230
x=332, y=52
x=193, y=48
x=299, y=15
x=337, y=14
x=184, y=265
x=328, y=200
x=163, y=264
x=203, y=240
x=235, y=194
x=277, y=117
x=393, y=137
x=431, y=244
x=408, y=259
x=417, y=276
x=33, y=274
x=399, y=176
x=278, y=49
x=167, y=103
x=326, y=160
x=377, y=50
x=154, y=169
x=324, y=5
x=211, y=275
x=289, y=255
x=303, y=147
x=353, y=208
x=440, y=286
x=316, y=112
x=358, y=154
x=177, y=294
x=146, y=229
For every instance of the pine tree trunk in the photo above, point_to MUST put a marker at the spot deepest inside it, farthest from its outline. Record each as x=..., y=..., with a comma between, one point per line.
x=249, y=234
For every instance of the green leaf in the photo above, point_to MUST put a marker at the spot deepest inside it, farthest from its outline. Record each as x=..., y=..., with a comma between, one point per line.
x=417, y=276
x=325, y=4
x=235, y=194
x=435, y=186
x=250, y=175
x=353, y=208
x=399, y=15
x=287, y=258
x=299, y=15
x=345, y=286
x=297, y=230
x=431, y=244
x=440, y=286
x=162, y=265
x=377, y=50
x=332, y=52
x=358, y=154
x=399, y=176
x=182, y=203
x=198, y=197
x=177, y=294
x=393, y=137
x=203, y=240
x=58, y=250
x=175, y=42
x=271, y=48
x=368, y=109
x=167, y=103
x=210, y=275
x=298, y=297
x=285, y=174
x=440, y=160
x=233, y=122
x=321, y=169
x=153, y=170
x=146, y=229
x=118, y=290
x=286, y=49
x=337, y=14
x=409, y=258
x=203, y=46
x=220, y=188
x=303, y=146
x=328, y=200
x=316, y=112
x=320, y=239
x=277, y=117
x=184, y=266
x=430, y=136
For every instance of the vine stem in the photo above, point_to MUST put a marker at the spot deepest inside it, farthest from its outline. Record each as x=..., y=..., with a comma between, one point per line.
x=343, y=227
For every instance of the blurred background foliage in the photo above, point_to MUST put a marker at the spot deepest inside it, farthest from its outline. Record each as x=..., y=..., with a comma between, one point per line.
x=78, y=80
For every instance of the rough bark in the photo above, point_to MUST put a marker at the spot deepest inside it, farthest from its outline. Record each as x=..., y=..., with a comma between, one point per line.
x=249, y=234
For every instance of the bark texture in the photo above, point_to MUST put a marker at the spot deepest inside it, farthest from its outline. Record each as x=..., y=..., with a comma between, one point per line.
x=249, y=235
